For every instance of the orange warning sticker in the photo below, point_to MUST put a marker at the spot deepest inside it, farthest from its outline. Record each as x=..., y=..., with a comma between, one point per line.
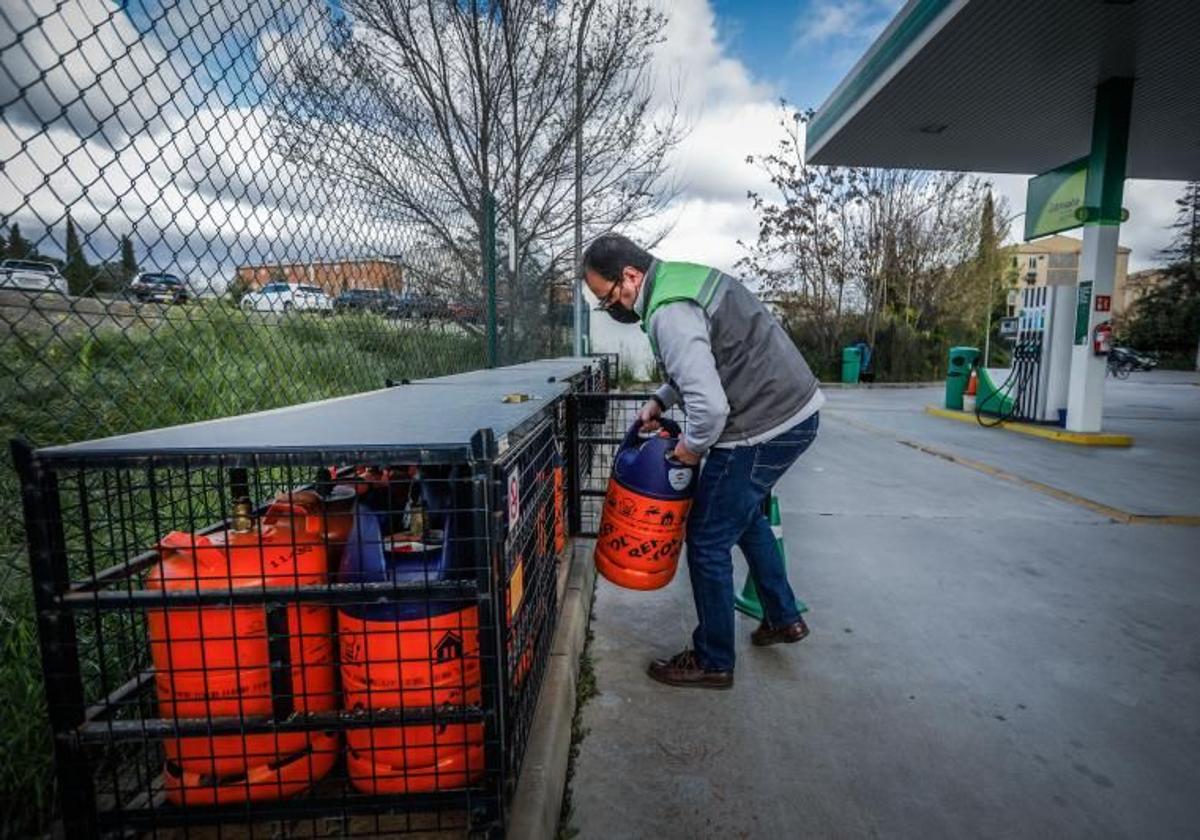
x=516, y=588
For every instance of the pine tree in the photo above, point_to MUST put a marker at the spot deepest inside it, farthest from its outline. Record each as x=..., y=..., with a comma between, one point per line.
x=17, y=247
x=989, y=268
x=129, y=265
x=77, y=271
x=1167, y=318
x=1182, y=256
x=987, y=233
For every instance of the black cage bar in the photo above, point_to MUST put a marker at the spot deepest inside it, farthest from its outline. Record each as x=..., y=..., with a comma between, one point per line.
x=327, y=620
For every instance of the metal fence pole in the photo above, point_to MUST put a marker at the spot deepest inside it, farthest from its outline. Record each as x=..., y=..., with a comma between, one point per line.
x=59, y=645
x=489, y=576
x=574, y=511
x=489, y=269
x=580, y=312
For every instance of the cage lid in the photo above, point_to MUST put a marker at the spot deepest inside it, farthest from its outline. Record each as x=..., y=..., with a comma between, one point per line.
x=436, y=416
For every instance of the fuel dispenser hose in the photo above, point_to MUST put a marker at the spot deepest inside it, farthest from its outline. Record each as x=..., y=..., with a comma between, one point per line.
x=1018, y=380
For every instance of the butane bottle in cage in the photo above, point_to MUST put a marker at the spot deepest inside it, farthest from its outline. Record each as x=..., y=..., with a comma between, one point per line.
x=214, y=661
x=408, y=655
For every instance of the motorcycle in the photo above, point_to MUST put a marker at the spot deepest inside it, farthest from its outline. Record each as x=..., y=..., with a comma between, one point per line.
x=1123, y=361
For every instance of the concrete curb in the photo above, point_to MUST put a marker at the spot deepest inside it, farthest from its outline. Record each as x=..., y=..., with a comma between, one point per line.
x=538, y=800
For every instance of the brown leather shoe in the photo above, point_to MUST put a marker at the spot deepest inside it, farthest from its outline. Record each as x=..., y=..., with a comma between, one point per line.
x=683, y=670
x=767, y=635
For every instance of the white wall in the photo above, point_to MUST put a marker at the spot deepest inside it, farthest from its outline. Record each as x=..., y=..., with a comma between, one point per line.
x=628, y=340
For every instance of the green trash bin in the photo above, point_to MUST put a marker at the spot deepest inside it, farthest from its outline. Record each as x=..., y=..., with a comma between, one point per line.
x=851, y=364
x=958, y=372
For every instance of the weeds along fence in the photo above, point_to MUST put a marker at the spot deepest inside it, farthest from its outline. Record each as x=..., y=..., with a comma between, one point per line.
x=184, y=239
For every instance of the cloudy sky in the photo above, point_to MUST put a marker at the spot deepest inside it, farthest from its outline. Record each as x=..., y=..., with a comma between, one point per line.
x=155, y=126
x=732, y=60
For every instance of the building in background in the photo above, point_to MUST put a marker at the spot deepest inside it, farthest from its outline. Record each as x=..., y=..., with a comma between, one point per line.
x=334, y=277
x=1054, y=261
x=1136, y=286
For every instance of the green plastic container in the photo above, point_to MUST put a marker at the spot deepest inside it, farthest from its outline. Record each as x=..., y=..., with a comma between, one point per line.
x=958, y=372
x=851, y=364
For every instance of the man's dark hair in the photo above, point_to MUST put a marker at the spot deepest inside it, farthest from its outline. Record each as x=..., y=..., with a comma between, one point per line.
x=610, y=253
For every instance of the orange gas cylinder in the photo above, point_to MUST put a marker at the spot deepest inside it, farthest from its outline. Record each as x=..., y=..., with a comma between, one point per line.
x=328, y=517
x=649, y=495
x=213, y=661
x=407, y=655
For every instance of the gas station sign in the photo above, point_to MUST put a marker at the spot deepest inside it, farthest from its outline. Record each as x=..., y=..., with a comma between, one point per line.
x=1054, y=200
x=1083, y=303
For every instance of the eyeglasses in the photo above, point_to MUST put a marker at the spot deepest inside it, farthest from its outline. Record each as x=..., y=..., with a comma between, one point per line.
x=608, y=300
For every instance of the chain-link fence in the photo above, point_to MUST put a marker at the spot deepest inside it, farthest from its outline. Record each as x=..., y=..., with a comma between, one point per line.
x=211, y=208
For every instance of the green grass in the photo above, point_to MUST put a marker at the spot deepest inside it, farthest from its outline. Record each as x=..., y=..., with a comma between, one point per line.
x=207, y=360
x=585, y=690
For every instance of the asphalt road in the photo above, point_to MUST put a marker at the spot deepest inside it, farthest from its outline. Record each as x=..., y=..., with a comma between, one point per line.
x=986, y=660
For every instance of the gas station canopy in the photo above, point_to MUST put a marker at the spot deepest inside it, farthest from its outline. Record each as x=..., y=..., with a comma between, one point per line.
x=1011, y=87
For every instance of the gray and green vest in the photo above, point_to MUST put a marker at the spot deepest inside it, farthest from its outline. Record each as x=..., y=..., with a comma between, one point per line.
x=765, y=378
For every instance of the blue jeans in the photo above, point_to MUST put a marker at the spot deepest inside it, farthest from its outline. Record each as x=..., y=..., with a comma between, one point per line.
x=728, y=510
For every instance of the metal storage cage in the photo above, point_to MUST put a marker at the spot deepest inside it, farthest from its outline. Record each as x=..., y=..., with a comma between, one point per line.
x=325, y=620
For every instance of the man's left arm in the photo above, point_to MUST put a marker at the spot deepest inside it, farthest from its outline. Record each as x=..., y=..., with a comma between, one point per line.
x=681, y=332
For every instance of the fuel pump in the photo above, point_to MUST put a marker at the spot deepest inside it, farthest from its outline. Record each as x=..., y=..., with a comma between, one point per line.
x=1036, y=387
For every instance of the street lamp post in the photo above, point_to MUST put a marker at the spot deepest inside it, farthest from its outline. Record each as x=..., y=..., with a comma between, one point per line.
x=580, y=314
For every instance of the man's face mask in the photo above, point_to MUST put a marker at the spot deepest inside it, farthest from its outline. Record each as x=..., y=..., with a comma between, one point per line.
x=622, y=313
x=618, y=311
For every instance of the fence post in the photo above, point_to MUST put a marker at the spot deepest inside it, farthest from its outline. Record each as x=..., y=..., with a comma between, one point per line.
x=489, y=270
x=574, y=512
x=56, y=634
x=485, y=557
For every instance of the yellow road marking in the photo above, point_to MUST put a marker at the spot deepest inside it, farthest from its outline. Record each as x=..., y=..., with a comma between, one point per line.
x=1115, y=514
x=1044, y=432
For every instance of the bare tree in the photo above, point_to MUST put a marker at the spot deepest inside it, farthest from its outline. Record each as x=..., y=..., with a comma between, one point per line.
x=421, y=107
x=808, y=254
x=890, y=246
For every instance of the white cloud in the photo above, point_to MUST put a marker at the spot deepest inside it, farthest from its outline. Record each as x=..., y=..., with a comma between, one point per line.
x=853, y=21
x=200, y=181
x=1151, y=206
x=831, y=20
x=160, y=133
x=731, y=116
x=692, y=61
x=711, y=161
x=708, y=232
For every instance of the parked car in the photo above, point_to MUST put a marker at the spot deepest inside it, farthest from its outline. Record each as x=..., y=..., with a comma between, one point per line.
x=364, y=300
x=419, y=306
x=32, y=275
x=158, y=287
x=281, y=297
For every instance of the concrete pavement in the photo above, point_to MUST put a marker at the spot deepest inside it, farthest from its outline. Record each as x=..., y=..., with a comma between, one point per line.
x=986, y=661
